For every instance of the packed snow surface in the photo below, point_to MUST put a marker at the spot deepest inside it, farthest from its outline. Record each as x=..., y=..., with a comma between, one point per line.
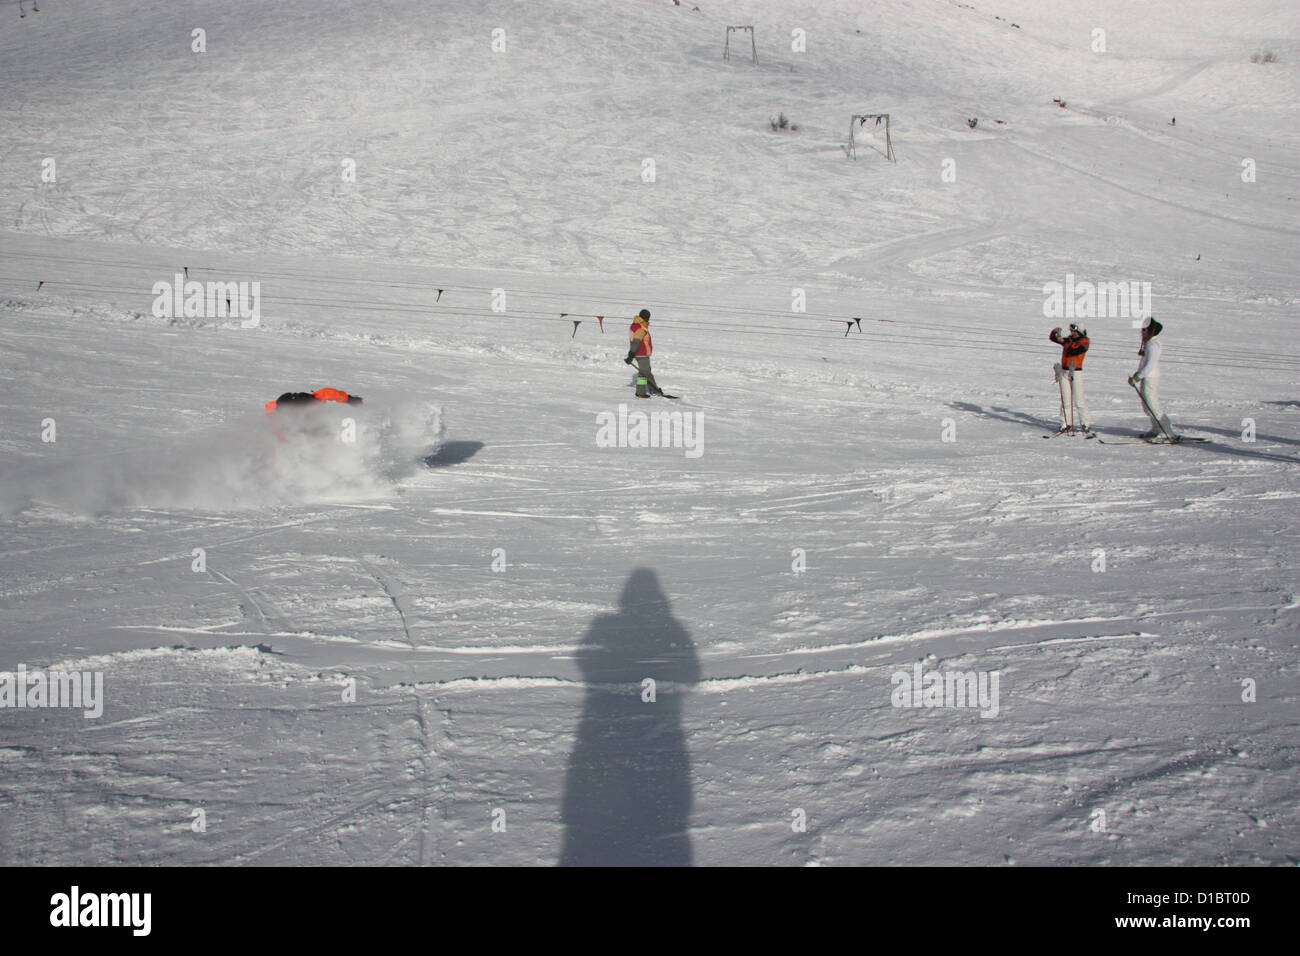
x=450, y=626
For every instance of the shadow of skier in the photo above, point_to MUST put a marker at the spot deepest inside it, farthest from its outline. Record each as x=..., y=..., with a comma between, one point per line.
x=1005, y=415
x=1235, y=433
x=627, y=798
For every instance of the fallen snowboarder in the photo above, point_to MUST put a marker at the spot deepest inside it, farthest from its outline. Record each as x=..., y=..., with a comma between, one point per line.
x=290, y=401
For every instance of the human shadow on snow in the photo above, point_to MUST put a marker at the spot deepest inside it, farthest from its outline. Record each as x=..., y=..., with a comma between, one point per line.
x=1223, y=448
x=453, y=453
x=1005, y=415
x=1236, y=433
x=1020, y=418
x=627, y=798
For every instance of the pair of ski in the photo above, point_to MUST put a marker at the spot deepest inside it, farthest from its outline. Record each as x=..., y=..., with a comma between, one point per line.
x=1168, y=439
x=1176, y=440
x=660, y=395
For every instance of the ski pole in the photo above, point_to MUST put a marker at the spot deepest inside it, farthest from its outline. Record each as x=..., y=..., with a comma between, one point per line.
x=1149, y=412
x=1074, y=402
x=1071, y=376
x=1143, y=399
x=1061, y=388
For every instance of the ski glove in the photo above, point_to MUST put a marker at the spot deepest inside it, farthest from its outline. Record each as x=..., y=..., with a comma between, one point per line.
x=1133, y=380
x=630, y=356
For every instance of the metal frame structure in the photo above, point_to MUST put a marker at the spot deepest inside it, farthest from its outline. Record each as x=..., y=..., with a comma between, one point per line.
x=726, y=47
x=860, y=119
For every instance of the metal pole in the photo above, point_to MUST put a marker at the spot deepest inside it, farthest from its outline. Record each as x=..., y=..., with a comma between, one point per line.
x=1060, y=387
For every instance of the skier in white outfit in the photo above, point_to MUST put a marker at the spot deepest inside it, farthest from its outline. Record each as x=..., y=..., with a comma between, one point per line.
x=1147, y=381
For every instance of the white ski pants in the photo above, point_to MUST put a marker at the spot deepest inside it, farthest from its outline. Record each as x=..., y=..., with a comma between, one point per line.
x=1150, y=390
x=1071, y=385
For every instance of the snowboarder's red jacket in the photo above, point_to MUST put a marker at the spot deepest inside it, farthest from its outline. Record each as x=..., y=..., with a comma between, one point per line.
x=638, y=336
x=1073, y=348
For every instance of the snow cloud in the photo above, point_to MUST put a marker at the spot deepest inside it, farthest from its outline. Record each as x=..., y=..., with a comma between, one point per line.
x=312, y=454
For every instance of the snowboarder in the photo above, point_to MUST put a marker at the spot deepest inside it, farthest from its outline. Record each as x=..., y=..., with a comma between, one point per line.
x=1069, y=377
x=1146, y=380
x=300, y=400
x=639, y=349
x=290, y=399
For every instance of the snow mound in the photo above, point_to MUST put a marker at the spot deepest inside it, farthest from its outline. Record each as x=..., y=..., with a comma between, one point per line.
x=241, y=657
x=326, y=452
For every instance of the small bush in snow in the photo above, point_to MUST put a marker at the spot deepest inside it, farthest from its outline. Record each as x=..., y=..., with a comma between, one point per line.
x=783, y=122
x=1263, y=56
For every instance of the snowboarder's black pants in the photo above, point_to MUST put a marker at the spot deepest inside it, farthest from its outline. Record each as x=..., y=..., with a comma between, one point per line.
x=643, y=368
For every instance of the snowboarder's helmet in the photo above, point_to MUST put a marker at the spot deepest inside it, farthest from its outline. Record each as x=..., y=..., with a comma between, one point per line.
x=1079, y=327
x=644, y=314
x=1151, y=327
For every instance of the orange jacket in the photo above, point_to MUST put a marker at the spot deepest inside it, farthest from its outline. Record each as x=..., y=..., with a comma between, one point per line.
x=1073, y=348
x=326, y=394
x=638, y=337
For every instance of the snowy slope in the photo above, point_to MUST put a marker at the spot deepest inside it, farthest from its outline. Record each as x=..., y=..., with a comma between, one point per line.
x=517, y=689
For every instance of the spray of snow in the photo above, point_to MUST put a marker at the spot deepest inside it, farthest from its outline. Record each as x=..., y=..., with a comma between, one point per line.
x=324, y=452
